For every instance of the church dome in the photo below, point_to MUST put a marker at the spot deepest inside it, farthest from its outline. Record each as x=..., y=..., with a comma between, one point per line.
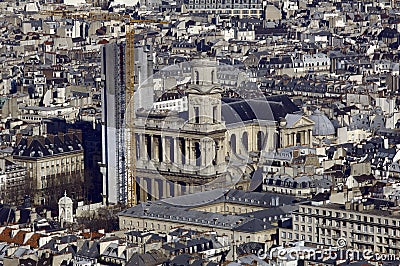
x=323, y=126
x=65, y=200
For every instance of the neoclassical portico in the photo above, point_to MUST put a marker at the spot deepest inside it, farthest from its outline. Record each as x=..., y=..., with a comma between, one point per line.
x=296, y=129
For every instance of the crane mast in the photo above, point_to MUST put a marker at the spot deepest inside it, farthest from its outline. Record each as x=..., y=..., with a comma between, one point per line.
x=130, y=119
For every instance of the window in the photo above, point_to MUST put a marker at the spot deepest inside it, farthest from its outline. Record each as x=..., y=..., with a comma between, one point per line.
x=215, y=114
x=196, y=115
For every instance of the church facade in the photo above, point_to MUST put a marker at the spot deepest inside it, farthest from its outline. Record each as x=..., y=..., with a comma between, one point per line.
x=216, y=143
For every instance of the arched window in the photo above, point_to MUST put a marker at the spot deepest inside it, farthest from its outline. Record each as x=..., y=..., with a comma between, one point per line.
x=197, y=81
x=245, y=141
x=197, y=153
x=260, y=140
x=233, y=143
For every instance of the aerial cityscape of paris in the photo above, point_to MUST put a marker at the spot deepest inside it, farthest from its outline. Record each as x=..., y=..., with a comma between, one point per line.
x=199, y=132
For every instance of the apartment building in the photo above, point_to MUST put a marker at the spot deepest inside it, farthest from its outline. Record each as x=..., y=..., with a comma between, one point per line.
x=55, y=164
x=12, y=182
x=372, y=224
x=240, y=8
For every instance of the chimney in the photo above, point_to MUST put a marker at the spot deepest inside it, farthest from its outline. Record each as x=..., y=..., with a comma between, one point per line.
x=386, y=143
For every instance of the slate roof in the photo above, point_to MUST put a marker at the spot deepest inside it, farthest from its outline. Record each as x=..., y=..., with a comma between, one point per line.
x=186, y=216
x=269, y=109
x=179, y=209
x=363, y=178
x=39, y=146
x=89, y=250
x=151, y=258
x=323, y=126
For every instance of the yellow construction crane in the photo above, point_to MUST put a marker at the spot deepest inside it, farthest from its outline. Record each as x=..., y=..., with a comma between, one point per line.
x=129, y=83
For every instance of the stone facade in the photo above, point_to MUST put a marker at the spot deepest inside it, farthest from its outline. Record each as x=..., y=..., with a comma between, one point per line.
x=54, y=163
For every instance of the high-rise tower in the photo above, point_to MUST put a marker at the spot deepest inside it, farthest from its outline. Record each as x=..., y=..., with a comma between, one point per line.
x=113, y=127
x=114, y=104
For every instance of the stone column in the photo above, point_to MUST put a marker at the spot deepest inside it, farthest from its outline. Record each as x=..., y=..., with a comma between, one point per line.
x=187, y=151
x=165, y=149
x=307, y=137
x=310, y=133
x=152, y=147
x=143, y=189
x=165, y=189
x=191, y=189
x=156, y=148
x=154, y=189
x=169, y=184
x=143, y=147
x=282, y=139
x=177, y=151
x=205, y=152
x=302, y=137
x=177, y=189
x=294, y=139
x=193, y=154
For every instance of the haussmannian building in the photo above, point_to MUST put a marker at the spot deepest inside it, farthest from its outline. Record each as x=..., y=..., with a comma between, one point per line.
x=372, y=224
x=240, y=8
x=54, y=164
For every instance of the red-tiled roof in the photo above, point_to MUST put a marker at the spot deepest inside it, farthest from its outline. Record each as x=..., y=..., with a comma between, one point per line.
x=33, y=241
x=92, y=235
x=5, y=236
x=104, y=41
x=19, y=238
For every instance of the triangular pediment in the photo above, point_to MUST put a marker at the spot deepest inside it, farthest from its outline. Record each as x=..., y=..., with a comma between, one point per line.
x=303, y=121
x=297, y=120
